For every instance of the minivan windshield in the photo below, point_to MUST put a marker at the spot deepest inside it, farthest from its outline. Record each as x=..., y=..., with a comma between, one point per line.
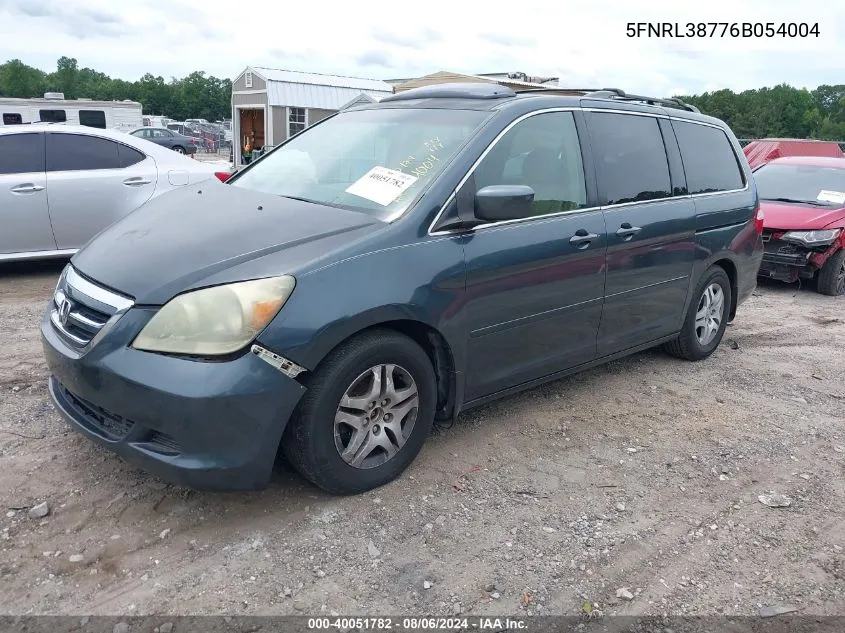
x=813, y=185
x=374, y=161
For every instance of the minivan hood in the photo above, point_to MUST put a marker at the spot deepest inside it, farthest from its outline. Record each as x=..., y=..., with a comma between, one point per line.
x=209, y=233
x=798, y=217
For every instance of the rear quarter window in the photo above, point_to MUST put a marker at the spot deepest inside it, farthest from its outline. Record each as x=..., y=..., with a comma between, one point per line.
x=710, y=162
x=129, y=156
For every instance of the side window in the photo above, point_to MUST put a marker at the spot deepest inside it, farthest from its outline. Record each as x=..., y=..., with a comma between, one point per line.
x=709, y=160
x=296, y=120
x=52, y=116
x=129, y=156
x=21, y=153
x=12, y=118
x=93, y=118
x=630, y=157
x=77, y=152
x=543, y=153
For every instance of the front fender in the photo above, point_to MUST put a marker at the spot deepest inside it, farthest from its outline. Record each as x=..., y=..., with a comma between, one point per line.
x=422, y=282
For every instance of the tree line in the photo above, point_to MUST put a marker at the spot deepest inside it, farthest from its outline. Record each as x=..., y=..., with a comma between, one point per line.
x=780, y=111
x=196, y=96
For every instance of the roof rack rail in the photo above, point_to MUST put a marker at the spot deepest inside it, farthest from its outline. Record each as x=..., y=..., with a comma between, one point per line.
x=472, y=90
x=616, y=93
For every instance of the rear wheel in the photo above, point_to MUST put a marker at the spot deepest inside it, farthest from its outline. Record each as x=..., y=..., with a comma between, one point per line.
x=367, y=412
x=832, y=275
x=706, y=318
x=179, y=149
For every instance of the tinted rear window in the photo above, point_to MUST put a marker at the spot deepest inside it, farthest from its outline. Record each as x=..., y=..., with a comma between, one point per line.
x=21, y=153
x=76, y=152
x=12, y=118
x=630, y=157
x=709, y=160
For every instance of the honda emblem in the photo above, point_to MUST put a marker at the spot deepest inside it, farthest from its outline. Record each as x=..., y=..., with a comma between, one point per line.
x=64, y=310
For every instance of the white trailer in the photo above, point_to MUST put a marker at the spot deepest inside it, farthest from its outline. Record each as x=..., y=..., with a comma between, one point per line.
x=54, y=108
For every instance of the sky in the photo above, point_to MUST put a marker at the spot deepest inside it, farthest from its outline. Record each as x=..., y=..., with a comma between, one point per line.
x=583, y=43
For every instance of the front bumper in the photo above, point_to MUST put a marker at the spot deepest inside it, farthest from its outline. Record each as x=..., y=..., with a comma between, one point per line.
x=790, y=262
x=205, y=425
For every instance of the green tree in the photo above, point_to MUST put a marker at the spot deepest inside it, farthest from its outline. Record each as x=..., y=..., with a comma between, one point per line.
x=66, y=78
x=21, y=81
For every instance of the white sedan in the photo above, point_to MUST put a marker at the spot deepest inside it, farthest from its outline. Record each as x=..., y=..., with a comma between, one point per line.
x=60, y=184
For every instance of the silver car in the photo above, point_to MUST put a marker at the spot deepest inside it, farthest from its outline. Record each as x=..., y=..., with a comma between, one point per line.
x=61, y=185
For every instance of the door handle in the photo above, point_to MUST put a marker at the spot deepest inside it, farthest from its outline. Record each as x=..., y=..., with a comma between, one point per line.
x=27, y=188
x=582, y=238
x=136, y=182
x=626, y=231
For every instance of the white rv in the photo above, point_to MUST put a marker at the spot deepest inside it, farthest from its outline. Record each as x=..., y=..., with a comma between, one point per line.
x=54, y=108
x=155, y=120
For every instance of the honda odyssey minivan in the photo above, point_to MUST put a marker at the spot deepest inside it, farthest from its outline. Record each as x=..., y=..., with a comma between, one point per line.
x=395, y=264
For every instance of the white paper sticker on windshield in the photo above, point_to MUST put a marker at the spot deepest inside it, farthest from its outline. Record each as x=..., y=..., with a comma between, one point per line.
x=381, y=185
x=836, y=197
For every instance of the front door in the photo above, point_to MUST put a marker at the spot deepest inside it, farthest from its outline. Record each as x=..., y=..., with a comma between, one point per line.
x=534, y=287
x=94, y=182
x=24, y=215
x=651, y=234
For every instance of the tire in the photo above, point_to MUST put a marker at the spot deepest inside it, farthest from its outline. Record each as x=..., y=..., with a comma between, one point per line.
x=832, y=275
x=179, y=149
x=691, y=344
x=314, y=439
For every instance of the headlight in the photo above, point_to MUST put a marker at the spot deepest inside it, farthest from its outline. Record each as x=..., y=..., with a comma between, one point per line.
x=215, y=321
x=812, y=238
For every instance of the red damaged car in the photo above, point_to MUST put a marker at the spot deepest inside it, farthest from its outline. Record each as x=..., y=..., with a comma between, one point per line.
x=803, y=201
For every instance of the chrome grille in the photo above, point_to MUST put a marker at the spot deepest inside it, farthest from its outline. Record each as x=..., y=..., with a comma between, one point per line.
x=82, y=312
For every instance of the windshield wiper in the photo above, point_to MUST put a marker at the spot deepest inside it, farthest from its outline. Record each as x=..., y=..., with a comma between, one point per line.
x=300, y=199
x=812, y=203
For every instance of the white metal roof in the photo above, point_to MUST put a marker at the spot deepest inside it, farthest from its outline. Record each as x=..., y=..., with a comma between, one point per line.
x=314, y=90
x=317, y=79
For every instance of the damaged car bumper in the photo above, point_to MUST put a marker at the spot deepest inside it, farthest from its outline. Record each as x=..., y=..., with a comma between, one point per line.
x=789, y=261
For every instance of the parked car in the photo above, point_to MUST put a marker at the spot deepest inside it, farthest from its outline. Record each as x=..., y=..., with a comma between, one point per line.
x=394, y=264
x=61, y=185
x=166, y=138
x=803, y=200
x=763, y=150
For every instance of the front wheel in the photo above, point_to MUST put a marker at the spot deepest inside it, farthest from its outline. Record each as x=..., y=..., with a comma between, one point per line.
x=706, y=318
x=367, y=412
x=832, y=275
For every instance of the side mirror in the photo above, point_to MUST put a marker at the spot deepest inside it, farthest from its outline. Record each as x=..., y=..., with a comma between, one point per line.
x=504, y=202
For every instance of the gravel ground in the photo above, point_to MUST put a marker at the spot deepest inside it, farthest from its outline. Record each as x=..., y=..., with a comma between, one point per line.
x=634, y=487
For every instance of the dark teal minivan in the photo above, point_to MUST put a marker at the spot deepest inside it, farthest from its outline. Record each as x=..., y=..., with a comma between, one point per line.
x=395, y=264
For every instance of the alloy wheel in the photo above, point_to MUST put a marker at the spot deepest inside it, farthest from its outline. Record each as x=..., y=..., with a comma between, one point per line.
x=376, y=416
x=708, y=316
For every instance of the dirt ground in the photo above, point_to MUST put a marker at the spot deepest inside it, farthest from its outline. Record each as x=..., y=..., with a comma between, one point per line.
x=633, y=487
